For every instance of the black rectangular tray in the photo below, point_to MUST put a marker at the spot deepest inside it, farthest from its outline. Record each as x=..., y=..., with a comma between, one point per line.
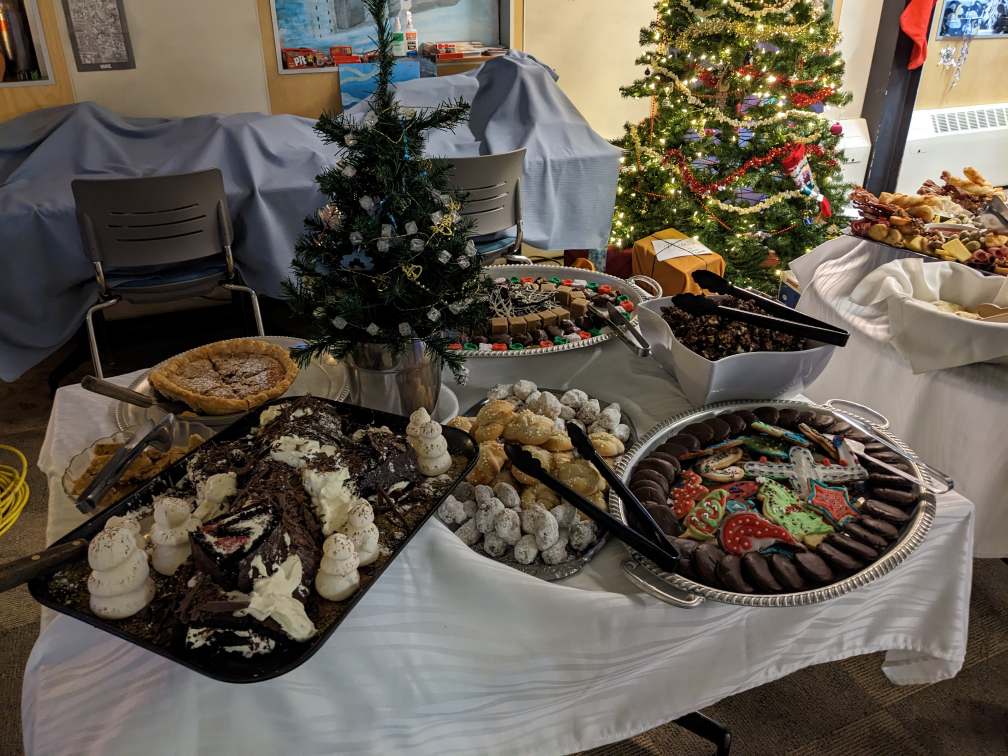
x=222, y=666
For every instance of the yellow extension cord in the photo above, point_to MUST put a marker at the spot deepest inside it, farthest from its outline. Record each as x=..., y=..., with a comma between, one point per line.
x=13, y=489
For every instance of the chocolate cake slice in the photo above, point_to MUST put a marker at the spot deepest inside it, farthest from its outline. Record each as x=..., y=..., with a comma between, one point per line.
x=220, y=545
x=378, y=460
x=309, y=418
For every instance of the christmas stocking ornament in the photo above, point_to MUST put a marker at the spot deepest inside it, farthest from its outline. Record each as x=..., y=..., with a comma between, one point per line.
x=914, y=23
x=796, y=164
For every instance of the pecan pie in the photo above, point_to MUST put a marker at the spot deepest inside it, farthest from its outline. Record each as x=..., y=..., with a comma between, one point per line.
x=226, y=376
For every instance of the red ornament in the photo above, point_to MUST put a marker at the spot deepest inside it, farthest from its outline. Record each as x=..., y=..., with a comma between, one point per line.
x=836, y=129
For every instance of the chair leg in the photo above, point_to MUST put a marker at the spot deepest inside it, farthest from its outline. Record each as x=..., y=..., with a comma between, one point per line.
x=708, y=729
x=92, y=341
x=255, y=304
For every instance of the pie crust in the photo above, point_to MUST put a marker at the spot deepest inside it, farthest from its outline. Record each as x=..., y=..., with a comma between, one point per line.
x=226, y=377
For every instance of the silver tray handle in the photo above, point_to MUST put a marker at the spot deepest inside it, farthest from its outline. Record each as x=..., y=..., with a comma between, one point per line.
x=642, y=579
x=651, y=288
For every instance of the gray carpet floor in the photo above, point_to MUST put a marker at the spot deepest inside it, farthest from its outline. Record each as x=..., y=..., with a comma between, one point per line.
x=842, y=709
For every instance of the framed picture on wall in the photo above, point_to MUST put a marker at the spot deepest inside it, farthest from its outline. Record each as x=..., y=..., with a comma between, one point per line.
x=24, y=59
x=98, y=34
x=972, y=18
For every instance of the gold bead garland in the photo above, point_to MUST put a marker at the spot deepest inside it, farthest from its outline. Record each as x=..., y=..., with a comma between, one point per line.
x=740, y=8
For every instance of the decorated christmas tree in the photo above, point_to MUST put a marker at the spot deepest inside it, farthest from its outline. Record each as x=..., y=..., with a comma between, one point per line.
x=736, y=151
x=387, y=260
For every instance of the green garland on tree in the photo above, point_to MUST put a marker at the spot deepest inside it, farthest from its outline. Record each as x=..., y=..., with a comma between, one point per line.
x=733, y=84
x=387, y=260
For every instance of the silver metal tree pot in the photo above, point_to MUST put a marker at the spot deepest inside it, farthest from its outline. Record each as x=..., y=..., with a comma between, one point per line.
x=398, y=383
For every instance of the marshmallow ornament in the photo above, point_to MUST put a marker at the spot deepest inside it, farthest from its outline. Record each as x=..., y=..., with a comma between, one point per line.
x=429, y=443
x=362, y=532
x=170, y=534
x=338, y=578
x=120, y=584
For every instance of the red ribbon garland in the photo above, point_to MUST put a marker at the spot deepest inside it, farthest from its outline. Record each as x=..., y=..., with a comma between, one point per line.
x=704, y=188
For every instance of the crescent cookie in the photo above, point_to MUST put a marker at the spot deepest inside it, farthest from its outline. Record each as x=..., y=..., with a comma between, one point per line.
x=558, y=442
x=487, y=432
x=528, y=428
x=488, y=464
x=464, y=424
x=606, y=444
x=581, y=476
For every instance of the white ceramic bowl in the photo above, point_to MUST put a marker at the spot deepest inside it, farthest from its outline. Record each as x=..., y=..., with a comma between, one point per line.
x=751, y=375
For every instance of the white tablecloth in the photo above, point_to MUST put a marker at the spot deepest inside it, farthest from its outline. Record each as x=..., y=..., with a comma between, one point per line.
x=451, y=653
x=953, y=418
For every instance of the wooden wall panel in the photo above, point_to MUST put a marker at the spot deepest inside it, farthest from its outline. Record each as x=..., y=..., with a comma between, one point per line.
x=59, y=91
x=982, y=81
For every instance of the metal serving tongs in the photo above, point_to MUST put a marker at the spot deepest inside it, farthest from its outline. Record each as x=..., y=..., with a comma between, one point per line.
x=620, y=327
x=158, y=435
x=123, y=394
x=659, y=550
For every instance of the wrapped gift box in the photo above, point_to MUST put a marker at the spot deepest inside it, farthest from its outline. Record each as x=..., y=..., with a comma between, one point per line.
x=670, y=257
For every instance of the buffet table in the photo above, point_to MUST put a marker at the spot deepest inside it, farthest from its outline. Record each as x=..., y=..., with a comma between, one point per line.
x=946, y=416
x=453, y=653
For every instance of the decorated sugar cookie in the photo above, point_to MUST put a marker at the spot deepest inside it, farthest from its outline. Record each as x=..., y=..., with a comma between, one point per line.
x=686, y=494
x=832, y=503
x=703, y=520
x=782, y=433
x=748, y=531
x=766, y=447
x=782, y=506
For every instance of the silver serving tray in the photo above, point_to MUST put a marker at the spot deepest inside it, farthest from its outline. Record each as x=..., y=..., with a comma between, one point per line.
x=625, y=286
x=572, y=567
x=325, y=378
x=682, y=591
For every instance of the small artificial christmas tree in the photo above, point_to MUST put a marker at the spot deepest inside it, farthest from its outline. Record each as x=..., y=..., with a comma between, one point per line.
x=387, y=260
x=734, y=152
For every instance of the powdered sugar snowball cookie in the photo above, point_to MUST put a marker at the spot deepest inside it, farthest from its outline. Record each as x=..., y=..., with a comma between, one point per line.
x=120, y=584
x=546, y=404
x=566, y=413
x=528, y=518
x=508, y=495
x=464, y=491
x=452, y=511
x=507, y=526
x=610, y=417
x=574, y=398
x=531, y=400
x=557, y=553
x=338, y=578
x=500, y=391
x=485, y=514
x=494, y=545
x=525, y=551
x=565, y=514
x=468, y=533
x=362, y=531
x=622, y=432
x=545, y=529
x=483, y=493
x=523, y=388
x=469, y=506
x=582, y=534
x=173, y=522
x=589, y=411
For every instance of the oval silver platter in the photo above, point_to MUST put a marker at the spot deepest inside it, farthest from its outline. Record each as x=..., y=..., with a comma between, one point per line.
x=324, y=378
x=694, y=592
x=571, y=567
x=635, y=294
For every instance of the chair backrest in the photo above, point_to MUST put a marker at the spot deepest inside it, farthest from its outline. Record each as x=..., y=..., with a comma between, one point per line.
x=155, y=220
x=492, y=184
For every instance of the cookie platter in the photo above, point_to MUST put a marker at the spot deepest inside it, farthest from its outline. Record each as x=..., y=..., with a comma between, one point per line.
x=525, y=544
x=563, y=284
x=810, y=545
x=299, y=508
x=324, y=378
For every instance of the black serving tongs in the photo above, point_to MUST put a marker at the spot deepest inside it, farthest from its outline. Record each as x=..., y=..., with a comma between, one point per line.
x=662, y=553
x=697, y=304
x=621, y=327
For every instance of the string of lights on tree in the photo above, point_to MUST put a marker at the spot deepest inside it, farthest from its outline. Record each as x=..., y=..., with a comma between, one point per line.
x=736, y=151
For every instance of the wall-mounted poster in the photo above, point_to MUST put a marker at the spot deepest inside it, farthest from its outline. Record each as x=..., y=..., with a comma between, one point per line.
x=98, y=34
x=973, y=18
x=314, y=35
x=23, y=55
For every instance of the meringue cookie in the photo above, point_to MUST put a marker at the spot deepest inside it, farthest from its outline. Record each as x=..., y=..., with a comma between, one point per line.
x=419, y=418
x=362, y=531
x=525, y=551
x=430, y=445
x=120, y=583
x=338, y=578
x=170, y=534
x=131, y=523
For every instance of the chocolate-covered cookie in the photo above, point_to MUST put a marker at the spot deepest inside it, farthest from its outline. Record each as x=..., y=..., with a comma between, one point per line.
x=735, y=422
x=661, y=466
x=863, y=534
x=804, y=416
x=885, y=529
x=855, y=548
x=686, y=547
x=822, y=420
x=664, y=519
x=787, y=417
x=690, y=442
x=648, y=494
x=672, y=448
x=720, y=428
x=896, y=496
x=812, y=567
x=729, y=572
x=672, y=460
x=654, y=476
x=885, y=511
x=875, y=446
x=748, y=417
x=887, y=480
x=783, y=568
x=705, y=562
x=756, y=570
x=837, y=559
x=701, y=431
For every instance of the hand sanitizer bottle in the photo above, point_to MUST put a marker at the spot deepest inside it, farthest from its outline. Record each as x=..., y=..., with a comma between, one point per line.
x=411, y=36
x=398, y=40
